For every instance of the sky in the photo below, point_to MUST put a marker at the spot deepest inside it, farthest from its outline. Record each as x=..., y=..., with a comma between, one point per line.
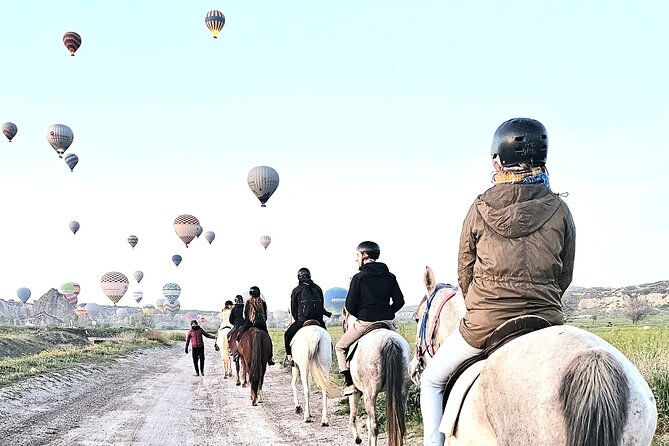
x=377, y=115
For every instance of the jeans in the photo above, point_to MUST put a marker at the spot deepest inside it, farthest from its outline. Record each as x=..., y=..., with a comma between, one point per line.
x=198, y=354
x=453, y=352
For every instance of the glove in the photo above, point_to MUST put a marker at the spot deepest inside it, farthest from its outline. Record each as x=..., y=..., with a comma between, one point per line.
x=216, y=347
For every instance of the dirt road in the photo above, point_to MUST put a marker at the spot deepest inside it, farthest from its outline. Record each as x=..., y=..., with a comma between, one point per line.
x=153, y=398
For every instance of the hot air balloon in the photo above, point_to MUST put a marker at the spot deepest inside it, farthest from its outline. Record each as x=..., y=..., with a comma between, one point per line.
x=72, y=41
x=71, y=160
x=263, y=181
x=186, y=227
x=176, y=258
x=202, y=318
x=137, y=295
x=23, y=294
x=60, y=137
x=67, y=289
x=92, y=310
x=74, y=226
x=265, y=240
x=215, y=20
x=190, y=316
x=209, y=236
x=80, y=310
x=148, y=310
x=172, y=308
x=160, y=303
x=132, y=240
x=114, y=285
x=171, y=292
x=74, y=298
x=122, y=313
x=334, y=299
x=9, y=129
x=138, y=276
x=198, y=232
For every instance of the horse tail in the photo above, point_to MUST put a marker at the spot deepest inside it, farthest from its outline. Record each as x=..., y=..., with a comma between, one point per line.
x=392, y=360
x=594, y=395
x=256, y=366
x=320, y=376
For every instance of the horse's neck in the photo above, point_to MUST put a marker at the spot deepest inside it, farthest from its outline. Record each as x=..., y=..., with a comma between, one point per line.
x=450, y=316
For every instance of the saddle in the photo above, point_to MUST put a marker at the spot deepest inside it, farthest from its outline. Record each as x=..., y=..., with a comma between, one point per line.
x=461, y=381
x=373, y=326
x=310, y=322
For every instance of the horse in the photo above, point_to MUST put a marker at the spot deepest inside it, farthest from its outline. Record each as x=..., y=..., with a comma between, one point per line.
x=312, y=359
x=224, y=349
x=556, y=386
x=254, y=348
x=380, y=364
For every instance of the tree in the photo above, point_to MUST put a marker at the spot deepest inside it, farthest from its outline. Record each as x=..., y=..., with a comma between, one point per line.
x=637, y=309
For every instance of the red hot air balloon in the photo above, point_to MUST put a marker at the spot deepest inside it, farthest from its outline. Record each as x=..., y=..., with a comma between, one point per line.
x=72, y=41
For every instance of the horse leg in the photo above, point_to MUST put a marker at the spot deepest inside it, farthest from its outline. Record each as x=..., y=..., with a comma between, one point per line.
x=306, y=387
x=372, y=426
x=237, y=368
x=353, y=401
x=324, y=413
x=293, y=384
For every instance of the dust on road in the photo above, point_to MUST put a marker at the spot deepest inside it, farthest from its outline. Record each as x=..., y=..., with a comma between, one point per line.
x=153, y=398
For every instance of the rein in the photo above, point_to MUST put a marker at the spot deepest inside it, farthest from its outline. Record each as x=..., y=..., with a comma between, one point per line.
x=424, y=340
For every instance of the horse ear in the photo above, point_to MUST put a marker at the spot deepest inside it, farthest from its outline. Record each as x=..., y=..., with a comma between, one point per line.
x=428, y=280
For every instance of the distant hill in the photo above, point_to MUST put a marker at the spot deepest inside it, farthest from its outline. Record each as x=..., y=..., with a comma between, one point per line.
x=614, y=300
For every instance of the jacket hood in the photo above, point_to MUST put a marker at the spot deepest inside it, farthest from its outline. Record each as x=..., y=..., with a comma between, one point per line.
x=517, y=210
x=375, y=268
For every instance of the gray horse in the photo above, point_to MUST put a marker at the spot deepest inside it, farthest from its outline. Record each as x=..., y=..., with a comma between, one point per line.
x=557, y=386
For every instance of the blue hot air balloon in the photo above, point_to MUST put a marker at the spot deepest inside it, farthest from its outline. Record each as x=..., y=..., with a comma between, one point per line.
x=176, y=258
x=23, y=294
x=334, y=300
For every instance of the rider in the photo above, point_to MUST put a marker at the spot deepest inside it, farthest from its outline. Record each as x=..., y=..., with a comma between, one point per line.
x=225, y=318
x=374, y=295
x=516, y=257
x=255, y=315
x=236, y=318
x=306, y=302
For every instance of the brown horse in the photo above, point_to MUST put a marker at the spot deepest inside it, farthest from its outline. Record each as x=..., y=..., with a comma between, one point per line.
x=255, y=349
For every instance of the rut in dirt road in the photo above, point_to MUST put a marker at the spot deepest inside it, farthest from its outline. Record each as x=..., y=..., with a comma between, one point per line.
x=153, y=398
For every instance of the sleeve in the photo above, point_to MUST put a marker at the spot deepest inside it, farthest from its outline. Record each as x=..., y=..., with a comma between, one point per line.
x=323, y=309
x=568, y=252
x=231, y=319
x=246, y=310
x=353, y=296
x=208, y=335
x=467, y=251
x=264, y=306
x=397, y=297
x=188, y=338
x=293, y=302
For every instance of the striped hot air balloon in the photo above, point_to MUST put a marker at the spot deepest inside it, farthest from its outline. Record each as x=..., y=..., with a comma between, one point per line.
x=9, y=129
x=71, y=160
x=263, y=181
x=186, y=226
x=171, y=292
x=60, y=137
x=114, y=285
x=215, y=20
x=72, y=42
x=80, y=310
x=132, y=241
x=265, y=240
x=137, y=295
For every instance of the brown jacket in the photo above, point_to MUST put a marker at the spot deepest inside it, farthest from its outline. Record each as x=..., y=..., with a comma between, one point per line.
x=516, y=257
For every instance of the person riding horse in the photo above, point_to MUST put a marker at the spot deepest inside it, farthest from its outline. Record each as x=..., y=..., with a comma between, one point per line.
x=255, y=315
x=516, y=257
x=306, y=303
x=373, y=296
x=236, y=318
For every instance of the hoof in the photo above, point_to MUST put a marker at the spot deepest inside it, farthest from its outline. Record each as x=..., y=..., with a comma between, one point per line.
x=225, y=377
x=298, y=409
x=238, y=383
x=254, y=403
x=244, y=385
x=308, y=420
x=325, y=424
x=358, y=440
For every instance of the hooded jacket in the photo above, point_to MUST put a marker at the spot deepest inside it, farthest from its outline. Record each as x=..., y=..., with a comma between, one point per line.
x=296, y=297
x=516, y=257
x=237, y=315
x=374, y=294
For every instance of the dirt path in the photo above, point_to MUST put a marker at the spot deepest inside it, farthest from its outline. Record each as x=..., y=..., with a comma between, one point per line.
x=153, y=398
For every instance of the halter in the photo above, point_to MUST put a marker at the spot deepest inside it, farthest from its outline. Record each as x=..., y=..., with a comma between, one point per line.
x=425, y=338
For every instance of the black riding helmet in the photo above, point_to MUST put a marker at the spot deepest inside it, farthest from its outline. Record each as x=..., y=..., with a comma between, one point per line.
x=254, y=291
x=520, y=140
x=303, y=273
x=372, y=249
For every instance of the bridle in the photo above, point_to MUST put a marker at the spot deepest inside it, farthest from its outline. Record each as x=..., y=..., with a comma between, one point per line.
x=424, y=340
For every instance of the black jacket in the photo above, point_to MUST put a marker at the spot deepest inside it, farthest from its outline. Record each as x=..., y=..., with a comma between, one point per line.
x=297, y=293
x=371, y=292
x=237, y=315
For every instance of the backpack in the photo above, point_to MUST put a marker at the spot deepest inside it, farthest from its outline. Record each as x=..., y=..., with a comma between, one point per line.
x=311, y=304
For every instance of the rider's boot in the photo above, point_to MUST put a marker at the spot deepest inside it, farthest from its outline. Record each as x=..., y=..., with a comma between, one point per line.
x=349, y=388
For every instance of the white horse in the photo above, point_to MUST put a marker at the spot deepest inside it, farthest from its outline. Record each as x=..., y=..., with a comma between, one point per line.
x=380, y=364
x=222, y=342
x=312, y=356
x=556, y=386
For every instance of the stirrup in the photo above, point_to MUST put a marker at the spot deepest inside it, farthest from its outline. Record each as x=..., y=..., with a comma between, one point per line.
x=349, y=390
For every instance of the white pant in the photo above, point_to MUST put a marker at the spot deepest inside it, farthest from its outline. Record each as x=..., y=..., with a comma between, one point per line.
x=453, y=352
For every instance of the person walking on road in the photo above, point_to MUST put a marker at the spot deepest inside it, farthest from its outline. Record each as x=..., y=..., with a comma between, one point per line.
x=194, y=339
